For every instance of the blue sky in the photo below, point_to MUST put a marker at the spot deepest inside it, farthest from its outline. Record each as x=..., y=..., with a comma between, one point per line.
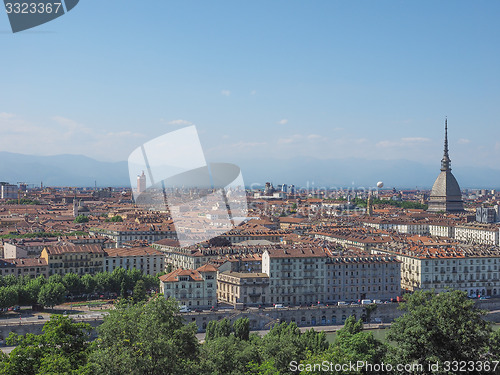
x=277, y=79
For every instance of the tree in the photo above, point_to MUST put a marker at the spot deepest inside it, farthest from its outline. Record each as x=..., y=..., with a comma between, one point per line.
x=60, y=349
x=495, y=345
x=73, y=283
x=81, y=219
x=30, y=291
x=241, y=328
x=51, y=294
x=282, y=345
x=103, y=282
x=88, y=284
x=351, y=345
x=139, y=293
x=8, y=296
x=114, y=219
x=150, y=339
x=443, y=327
x=55, y=278
x=228, y=355
x=216, y=329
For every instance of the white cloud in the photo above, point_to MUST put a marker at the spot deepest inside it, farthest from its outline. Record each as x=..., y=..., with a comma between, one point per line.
x=314, y=137
x=403, y=142
x=253, y=92
x=180, y=122
x=301, y=138
x=415, y=139
x=463, y=141
x=282, y=121
x=291, y=139
x=62, y=135
x=225, y=92
x=6, y=116
x=247, y=145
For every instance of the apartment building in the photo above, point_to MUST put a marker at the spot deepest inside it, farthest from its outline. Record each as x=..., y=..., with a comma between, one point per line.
x=473, y=269
x=360, y=238
x=296, y=274
x=357, y=277
x=124, y=232
x=442, y=229
x=194, y=288
x=32, y=247
x=79, y=259
x=195, y=256
x=145, y=259
x=242, y=289
x=24, y=267
x=484, y=234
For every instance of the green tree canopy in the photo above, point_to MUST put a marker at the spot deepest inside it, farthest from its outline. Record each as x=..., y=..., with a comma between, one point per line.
x=146, y=339
x=51, y=294
x=81, y=219
x=442, y=327
x=61, y=349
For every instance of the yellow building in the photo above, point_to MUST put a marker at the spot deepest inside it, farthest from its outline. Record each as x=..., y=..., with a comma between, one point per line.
x=242, y=289
x=79, y=259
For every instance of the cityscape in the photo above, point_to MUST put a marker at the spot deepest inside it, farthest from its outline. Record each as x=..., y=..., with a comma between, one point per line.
x=249, y=188
x=313, y=258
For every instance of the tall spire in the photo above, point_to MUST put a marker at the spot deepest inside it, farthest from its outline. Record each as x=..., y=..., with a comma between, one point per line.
x=445, y=162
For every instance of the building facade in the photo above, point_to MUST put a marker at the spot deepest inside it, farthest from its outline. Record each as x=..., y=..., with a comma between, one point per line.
x=354, y=278
x=79, y=259
x=145, y=259
x=242, y=289
x=296, y=274
x=193, y=288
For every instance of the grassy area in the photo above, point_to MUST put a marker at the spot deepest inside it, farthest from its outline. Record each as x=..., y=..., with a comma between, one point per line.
x=90, y=303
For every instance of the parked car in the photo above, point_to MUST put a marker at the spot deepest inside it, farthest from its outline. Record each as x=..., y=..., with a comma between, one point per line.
x=40, y=316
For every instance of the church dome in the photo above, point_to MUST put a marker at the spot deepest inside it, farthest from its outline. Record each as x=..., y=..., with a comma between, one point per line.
x=446, y=195
x=446, y=185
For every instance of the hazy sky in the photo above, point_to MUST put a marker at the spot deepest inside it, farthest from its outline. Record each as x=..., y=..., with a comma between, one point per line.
x=277, y=79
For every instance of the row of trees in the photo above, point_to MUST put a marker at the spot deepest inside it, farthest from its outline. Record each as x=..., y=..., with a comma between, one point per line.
x=52, y=291
x=151, y=338
x=402, y=204
x=23, y=201
x=42, y=234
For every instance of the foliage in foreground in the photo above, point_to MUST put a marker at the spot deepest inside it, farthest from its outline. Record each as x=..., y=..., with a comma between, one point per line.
x=151, y=338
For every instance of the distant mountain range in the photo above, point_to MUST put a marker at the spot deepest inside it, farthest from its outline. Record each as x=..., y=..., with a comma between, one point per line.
x=61, y=170
x=79, y=170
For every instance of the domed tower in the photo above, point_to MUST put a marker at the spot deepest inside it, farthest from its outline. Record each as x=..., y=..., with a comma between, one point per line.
x=446, y=195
